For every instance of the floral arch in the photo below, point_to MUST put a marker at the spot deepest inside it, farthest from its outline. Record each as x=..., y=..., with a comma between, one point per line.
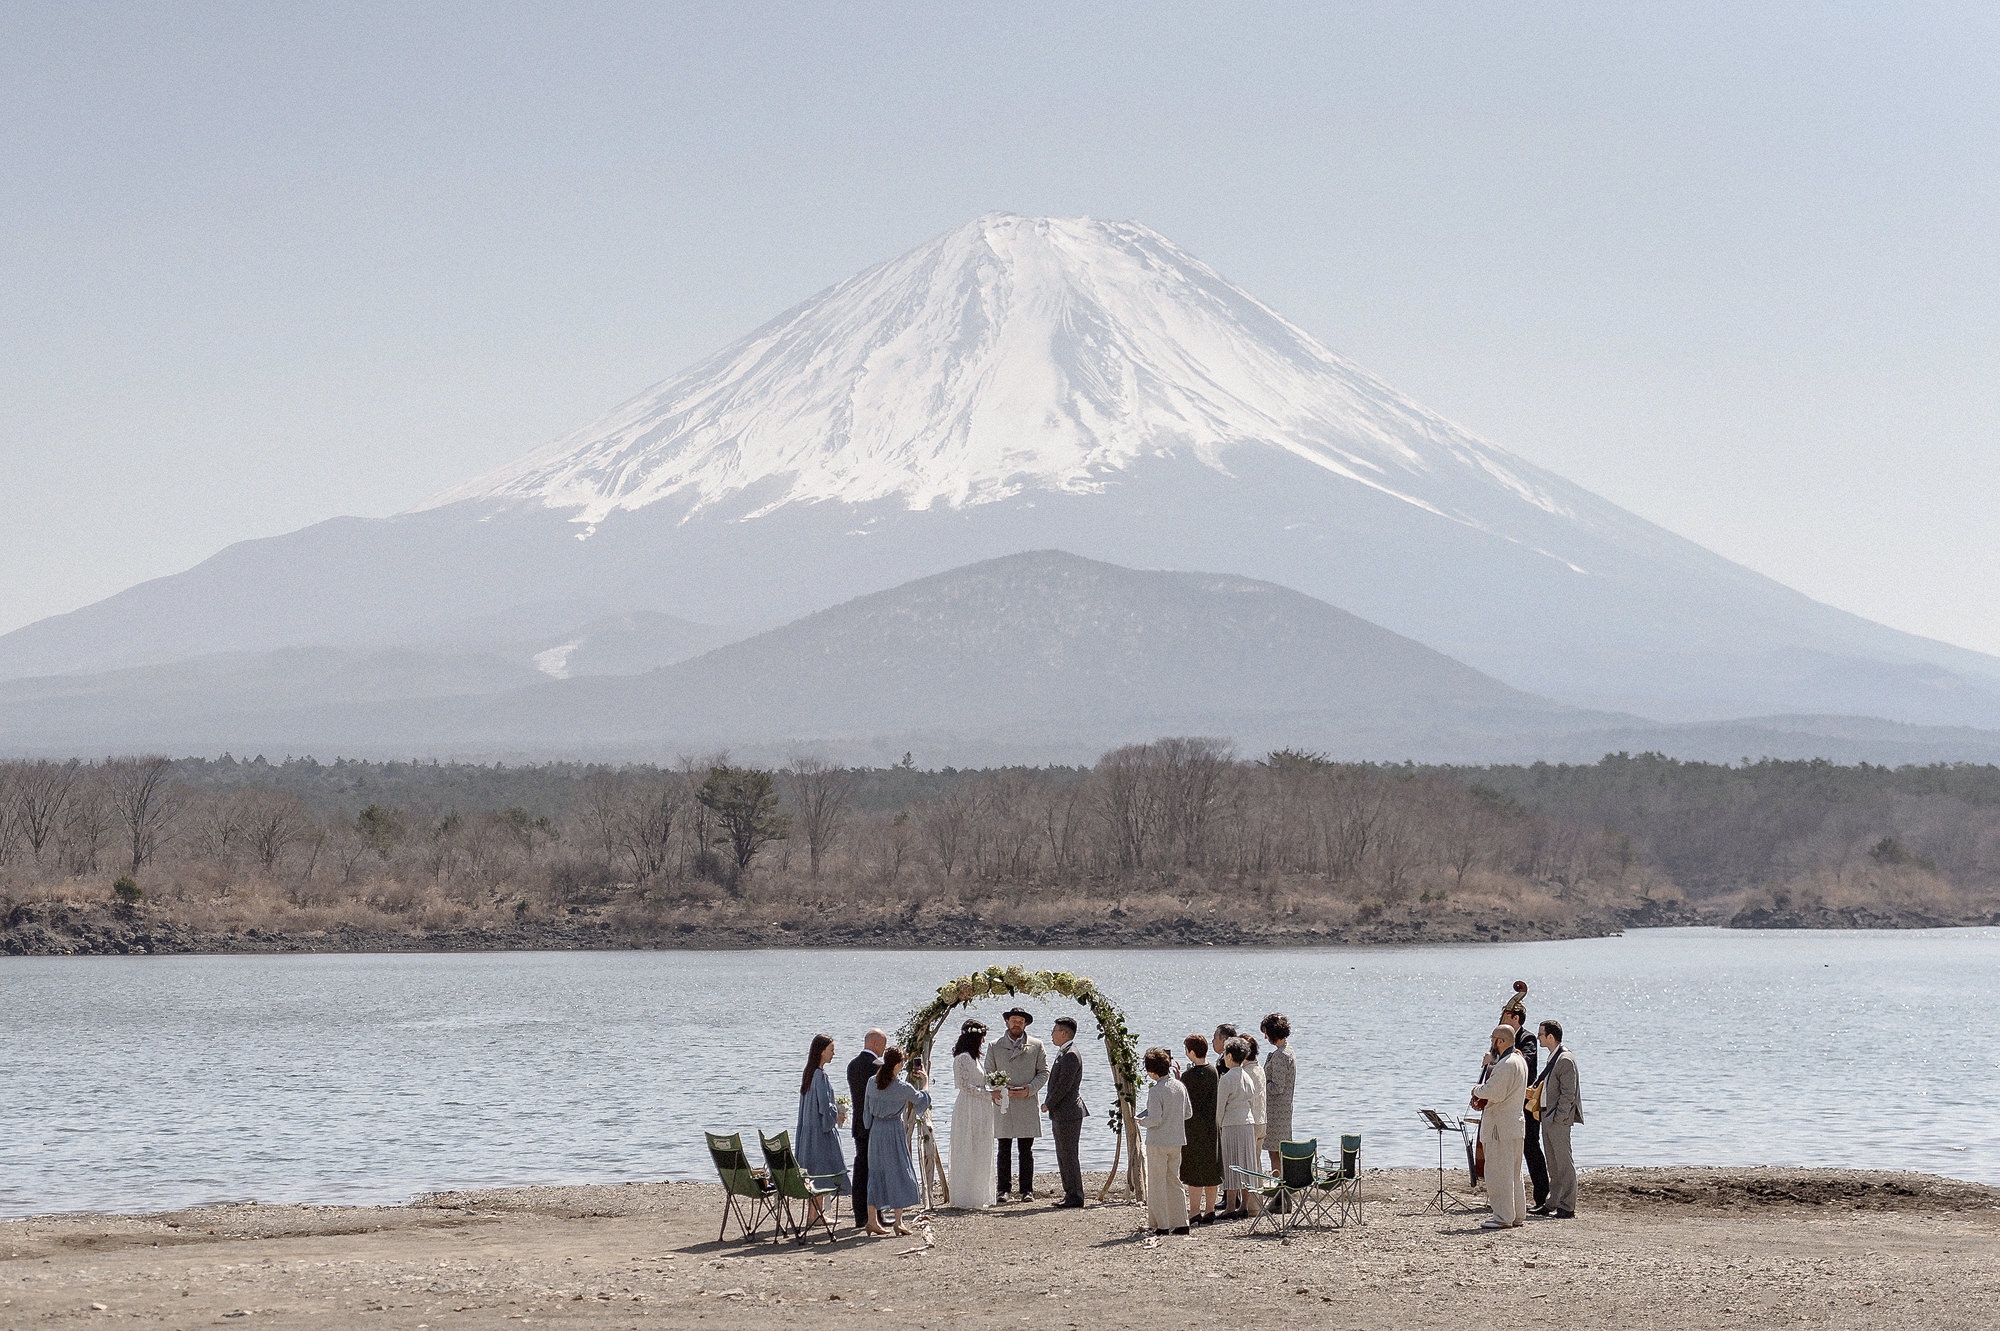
x=1121, y=1050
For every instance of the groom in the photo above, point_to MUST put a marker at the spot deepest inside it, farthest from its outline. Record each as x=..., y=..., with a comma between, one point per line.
x=1018, y=1122
x=1066, y=1111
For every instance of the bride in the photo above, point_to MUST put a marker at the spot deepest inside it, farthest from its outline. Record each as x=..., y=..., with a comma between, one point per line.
x=972, y=1123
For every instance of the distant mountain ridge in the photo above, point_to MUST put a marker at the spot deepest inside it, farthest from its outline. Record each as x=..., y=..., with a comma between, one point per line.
x=1031, y=658
x=1025, y=384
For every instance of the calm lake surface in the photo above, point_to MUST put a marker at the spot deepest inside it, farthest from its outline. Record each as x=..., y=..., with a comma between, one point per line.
x=153, y=1082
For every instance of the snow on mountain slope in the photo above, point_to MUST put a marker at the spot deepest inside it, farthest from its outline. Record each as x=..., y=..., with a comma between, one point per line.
x=1031, y=384
x=1012, y=354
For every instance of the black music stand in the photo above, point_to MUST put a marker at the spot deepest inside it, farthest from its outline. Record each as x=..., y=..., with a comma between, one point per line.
x=1445, y=1202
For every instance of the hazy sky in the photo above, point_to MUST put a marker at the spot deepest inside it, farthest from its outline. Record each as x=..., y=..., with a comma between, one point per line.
x=1734, y=267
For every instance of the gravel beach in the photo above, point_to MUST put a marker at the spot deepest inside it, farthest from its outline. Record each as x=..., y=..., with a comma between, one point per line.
x=1666, y=1248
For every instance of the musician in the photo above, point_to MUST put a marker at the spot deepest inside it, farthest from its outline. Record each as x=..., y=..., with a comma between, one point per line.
x=1500, y=1096
x=1515, y=1014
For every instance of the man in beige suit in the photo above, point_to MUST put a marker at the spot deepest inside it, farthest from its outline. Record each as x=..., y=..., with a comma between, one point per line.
x=1503, y=1130
x=1562, y=1109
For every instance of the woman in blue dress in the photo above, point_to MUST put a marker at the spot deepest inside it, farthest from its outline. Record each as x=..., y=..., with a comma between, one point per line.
x=816, y=1142
x=892, y=1178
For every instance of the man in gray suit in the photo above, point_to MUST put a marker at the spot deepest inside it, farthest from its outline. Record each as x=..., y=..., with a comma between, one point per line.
x=1562, y=1109
x=1065, y=1108
x=1018, y=1122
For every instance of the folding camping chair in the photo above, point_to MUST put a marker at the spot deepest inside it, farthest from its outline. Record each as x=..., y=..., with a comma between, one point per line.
x=795, y=1186
x=1339, y=1188
x=1291, y=1196
x=748, y=1195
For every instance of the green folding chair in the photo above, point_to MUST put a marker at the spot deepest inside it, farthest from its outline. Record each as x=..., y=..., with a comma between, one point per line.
x=1339, y=1188
x=748, y=1195
x=816, y=1196
x=1290, y=1195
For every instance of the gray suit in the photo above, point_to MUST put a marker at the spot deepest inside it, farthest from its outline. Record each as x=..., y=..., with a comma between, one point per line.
x=1066, y=1115
x=1562, y=1109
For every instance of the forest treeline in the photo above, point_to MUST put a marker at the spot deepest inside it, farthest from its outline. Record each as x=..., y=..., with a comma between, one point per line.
x=1181, y=830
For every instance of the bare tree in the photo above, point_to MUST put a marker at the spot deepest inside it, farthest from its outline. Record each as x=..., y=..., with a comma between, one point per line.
x=10, y=803
x=1191, y=771
x=820, y=790
x=646, y=819
x=42, y=791
x=1128, y=800
x=944, y=822
x=146, y=803
x=270, y=824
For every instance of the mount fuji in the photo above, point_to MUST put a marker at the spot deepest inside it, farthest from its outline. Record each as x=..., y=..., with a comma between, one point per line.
x=1024, y=384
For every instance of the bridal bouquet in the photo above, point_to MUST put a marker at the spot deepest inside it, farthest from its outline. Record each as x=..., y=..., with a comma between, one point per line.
x=997, y=1080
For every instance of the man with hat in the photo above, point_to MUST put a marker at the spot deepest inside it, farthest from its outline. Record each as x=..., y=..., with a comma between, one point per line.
x=1018, y=1122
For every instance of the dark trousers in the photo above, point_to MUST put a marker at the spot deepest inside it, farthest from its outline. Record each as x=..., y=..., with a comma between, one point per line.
x=1027, y=1145
x=860, y=1178
x=1538, y=1165
x=1068, y=1134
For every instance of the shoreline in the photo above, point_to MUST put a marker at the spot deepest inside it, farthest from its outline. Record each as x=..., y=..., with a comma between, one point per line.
x=1651, y=1248
x=49, y=929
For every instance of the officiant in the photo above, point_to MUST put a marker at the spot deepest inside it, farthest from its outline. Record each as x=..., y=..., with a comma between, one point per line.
x=1019, y=1121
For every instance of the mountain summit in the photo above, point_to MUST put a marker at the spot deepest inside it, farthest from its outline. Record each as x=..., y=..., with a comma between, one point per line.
x=1010, y=355
x=1026, y=384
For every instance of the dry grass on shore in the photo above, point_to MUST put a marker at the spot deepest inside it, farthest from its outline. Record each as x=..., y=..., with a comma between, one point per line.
x=203, y=910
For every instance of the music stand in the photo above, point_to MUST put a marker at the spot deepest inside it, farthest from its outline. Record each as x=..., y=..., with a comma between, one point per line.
x=1444, y=1202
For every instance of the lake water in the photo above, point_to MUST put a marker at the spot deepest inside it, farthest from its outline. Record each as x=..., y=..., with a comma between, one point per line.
x=152, y=1082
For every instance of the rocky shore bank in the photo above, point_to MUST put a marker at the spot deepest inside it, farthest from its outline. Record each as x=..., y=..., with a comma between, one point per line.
x=57, y=928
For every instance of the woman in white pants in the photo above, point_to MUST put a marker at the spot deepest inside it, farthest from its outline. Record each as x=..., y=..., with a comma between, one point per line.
x=1165, y=1119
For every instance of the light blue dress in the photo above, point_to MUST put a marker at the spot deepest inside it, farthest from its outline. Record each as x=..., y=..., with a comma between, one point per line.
x=816, y=1142
x=892, y=1177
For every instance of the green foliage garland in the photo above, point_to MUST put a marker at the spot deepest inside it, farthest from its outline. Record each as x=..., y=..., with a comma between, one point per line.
x=1120, y=1047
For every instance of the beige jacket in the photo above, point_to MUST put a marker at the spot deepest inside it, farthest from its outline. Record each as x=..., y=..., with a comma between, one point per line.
x=1505, y=1091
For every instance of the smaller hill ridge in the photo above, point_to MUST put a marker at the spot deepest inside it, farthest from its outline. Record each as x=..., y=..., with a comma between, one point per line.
x=1033, y=646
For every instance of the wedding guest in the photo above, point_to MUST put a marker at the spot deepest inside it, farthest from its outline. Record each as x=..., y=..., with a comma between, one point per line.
x=1236, y=1122
x=1562, y=1109
x=1066, y=1110
x=1500, y=1095
x=1201, y=1156
x=1280, y=1080
x=1254, y=1070
x=892, y=1175
x=861, y=1070
x=1515, y=1014
x=1165, y=1119
x=816, y=1141
x=972, y=1122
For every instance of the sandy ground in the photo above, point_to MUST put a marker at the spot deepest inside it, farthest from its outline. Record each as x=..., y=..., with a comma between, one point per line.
x=1651, y=1248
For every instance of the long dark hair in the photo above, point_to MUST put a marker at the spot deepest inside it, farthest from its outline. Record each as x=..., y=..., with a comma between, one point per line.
x=971, y=1039
x=892, y=1058
x=813, y=1056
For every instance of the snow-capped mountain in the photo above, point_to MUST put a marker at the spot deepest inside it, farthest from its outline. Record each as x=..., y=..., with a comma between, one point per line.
x=1010, y=356
x=1043, y=384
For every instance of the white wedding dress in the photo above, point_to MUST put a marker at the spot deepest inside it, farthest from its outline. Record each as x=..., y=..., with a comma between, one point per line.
x=973, y=1171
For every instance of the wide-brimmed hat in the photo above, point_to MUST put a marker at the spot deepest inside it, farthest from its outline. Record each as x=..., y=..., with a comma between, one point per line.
x=1022, y=1013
